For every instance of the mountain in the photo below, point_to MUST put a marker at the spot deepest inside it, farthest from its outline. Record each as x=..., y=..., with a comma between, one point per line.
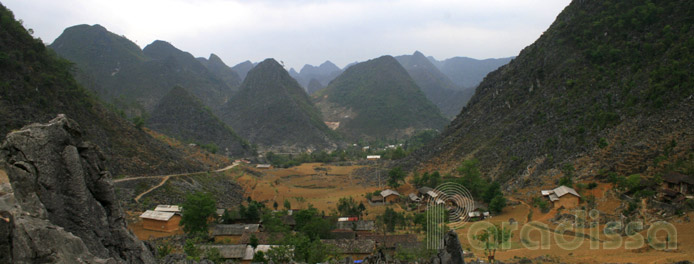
x=377, y=99
x=181, y=115
x=37, y=85
x=273, y=111
x=468, y=72
x=323, y=74
x=313, y=86
x=438, y=88
x=175, y=67
x=606, y=89
x=132, y=79
x=215, y=65
x=243, y=68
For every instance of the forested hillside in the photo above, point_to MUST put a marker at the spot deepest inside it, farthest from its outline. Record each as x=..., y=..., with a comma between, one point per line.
x=607, y=88
x=37, y=85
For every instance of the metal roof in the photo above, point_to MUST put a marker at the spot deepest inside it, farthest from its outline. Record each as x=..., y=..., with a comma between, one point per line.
x=155, y=215
x=560, y=191
x=229, y=251
x=234, y=229
x=352, y=246
x=167, y=208
x=553, y=197
x=388, y=192
x=361, y=225
x=677, y=178
x=563, y=190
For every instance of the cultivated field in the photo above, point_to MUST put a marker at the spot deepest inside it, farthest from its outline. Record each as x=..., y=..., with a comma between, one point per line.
x=318, y=184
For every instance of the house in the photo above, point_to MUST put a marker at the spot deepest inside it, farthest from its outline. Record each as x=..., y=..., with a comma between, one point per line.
x=562, y=196
x=264, y=238
x=679, y=182
x=376, y=199
x=426, y=194
x=360, y=226
x=231, y=252
x=160, y=221
x=390, y=196
x=373, y=157
x=346, y=219
x=356, y=249
x=343, y=234
x=168, y=208
x=390, y=243
x=237, y=253
x=288, y=220
x=231, y=234
x=672, y=196
x=263, y=166
x=414, y=198
x=220, y=212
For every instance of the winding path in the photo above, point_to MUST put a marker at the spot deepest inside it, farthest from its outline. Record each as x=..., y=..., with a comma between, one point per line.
x=166, y=178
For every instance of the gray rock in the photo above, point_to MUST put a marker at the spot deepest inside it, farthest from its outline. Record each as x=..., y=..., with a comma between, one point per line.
x=62, y=206
x=452, y=251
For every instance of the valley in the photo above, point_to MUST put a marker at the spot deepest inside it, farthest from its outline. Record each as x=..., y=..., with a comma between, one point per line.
x=579, y=149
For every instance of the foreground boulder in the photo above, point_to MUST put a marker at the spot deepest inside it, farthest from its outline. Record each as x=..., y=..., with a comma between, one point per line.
x=452, y=251
x=60, y=205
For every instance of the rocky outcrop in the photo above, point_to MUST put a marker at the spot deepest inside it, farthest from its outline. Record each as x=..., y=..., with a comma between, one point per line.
x=452, y=251
x=61, y=205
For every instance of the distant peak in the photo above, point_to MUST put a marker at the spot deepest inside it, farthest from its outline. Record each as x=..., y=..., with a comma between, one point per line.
x=160, y=43
x=85, y=27
x=418, y=53
x=269, y=65
x=216, y=59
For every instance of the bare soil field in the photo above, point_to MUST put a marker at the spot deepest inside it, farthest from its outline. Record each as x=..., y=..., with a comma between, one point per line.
x=321, y=185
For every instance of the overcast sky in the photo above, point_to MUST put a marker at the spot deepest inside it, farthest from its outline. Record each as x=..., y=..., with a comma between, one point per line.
x=302, y=32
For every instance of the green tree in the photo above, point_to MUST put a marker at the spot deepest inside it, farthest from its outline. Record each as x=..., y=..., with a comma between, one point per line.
x=139, y=122
x=275, y=205
x=492, y=239
x=497, y=204
x=253, y=242
x=312, y=224
x=287, y=204
x=347, y=206
x=280, y=254
x=259, y=257
x=214, y=255
x=471, y=178
x=197, y=208
x=192, y=251
x=492, y=191
x=391, y=219
x=395, y=176
x=273, y=223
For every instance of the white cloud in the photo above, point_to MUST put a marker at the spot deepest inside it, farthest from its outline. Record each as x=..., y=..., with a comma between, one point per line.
x=306, y=31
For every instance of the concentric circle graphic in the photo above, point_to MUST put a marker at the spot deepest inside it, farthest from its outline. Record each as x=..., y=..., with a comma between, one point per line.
x=455, y=198
x=449, y=202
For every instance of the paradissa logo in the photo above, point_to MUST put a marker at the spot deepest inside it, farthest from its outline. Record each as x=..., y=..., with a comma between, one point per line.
x=572, y=235
x=452, y=203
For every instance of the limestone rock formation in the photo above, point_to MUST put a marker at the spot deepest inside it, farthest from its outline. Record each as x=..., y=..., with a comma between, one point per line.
x=452, y=251
x=61, y=205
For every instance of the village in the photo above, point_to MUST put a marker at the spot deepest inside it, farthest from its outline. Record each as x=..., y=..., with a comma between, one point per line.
x=362, y=230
